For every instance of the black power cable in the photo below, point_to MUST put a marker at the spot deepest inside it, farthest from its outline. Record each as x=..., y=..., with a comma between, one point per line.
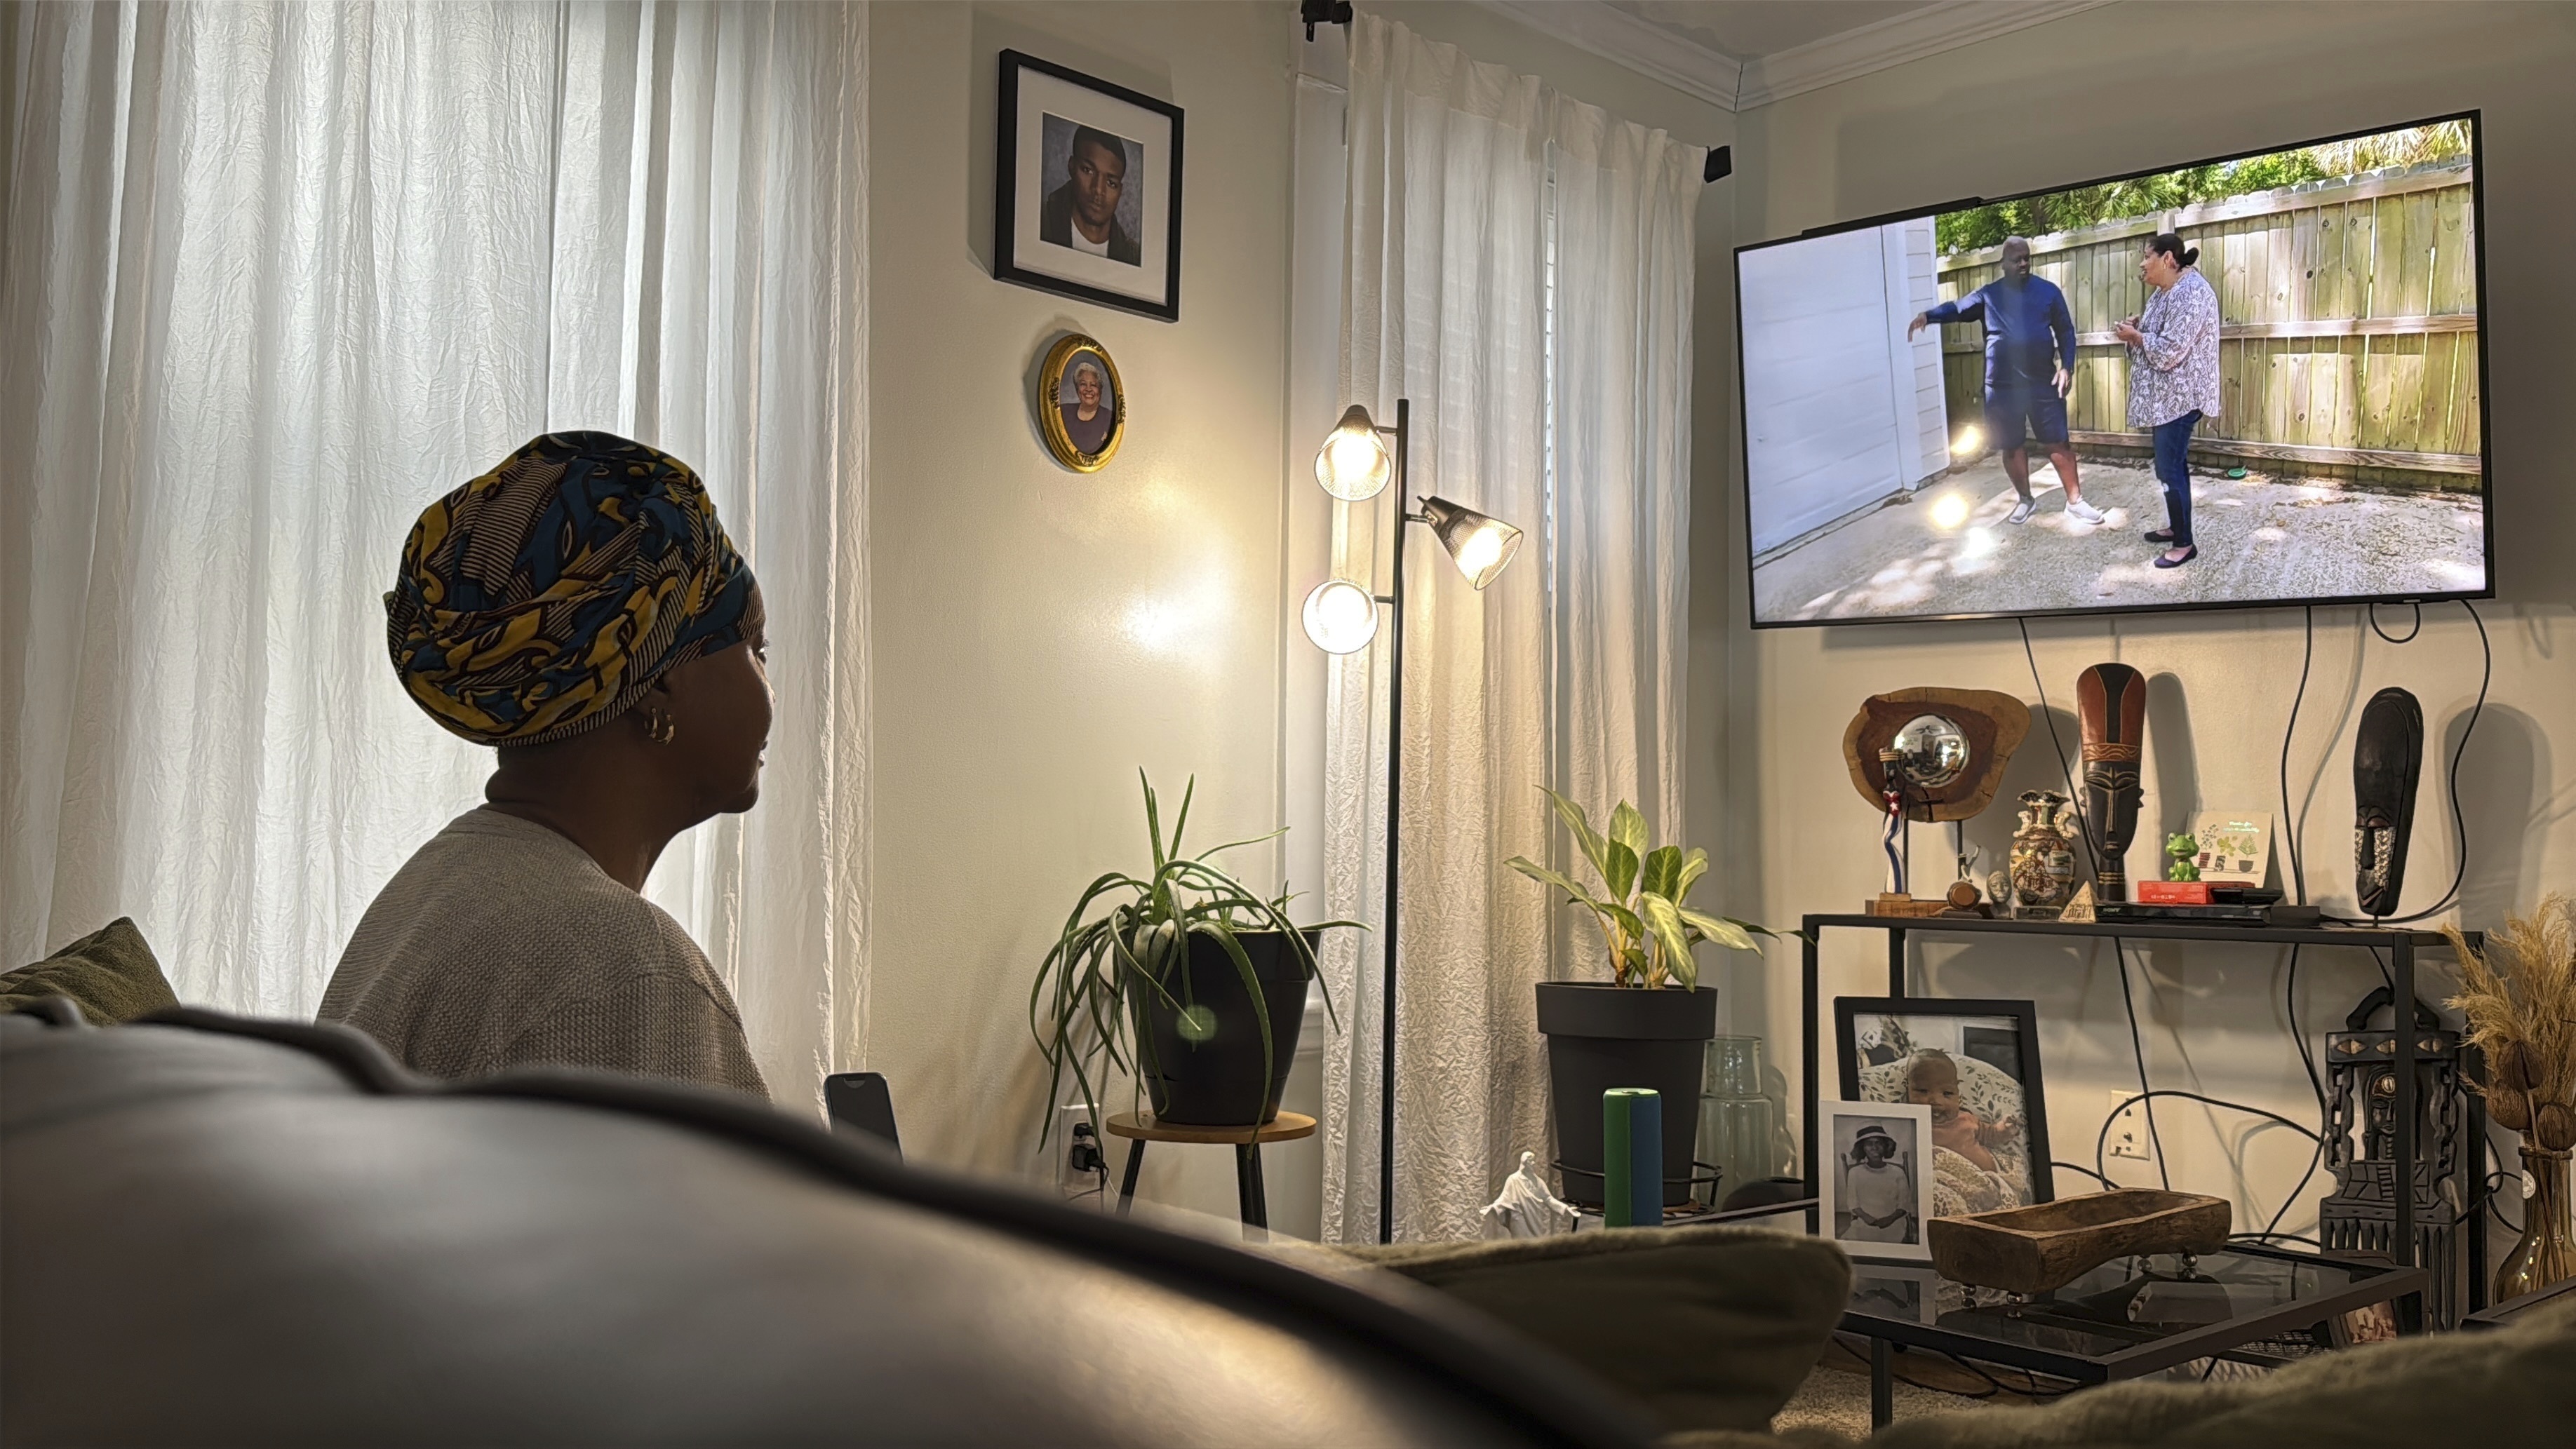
x=2102, y=1143
x=2088, y=1172
x=2387, y=637
x=2137, y=1044
x=2316, y=1084
x=2290, y=822
x=2073, y=796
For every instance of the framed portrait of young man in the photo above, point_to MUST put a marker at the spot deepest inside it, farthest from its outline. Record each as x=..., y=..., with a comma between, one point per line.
x=1087, y=188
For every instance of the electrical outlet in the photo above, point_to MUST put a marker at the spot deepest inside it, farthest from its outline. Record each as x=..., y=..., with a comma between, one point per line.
x=2128, y=1128
x=1080, y=1157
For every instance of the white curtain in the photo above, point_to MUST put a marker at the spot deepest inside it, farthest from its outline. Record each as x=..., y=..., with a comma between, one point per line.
x=1565, y=415
x=279, y=274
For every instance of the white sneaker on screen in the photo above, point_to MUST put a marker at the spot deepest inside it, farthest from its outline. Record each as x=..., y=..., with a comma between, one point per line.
x=2082, y=512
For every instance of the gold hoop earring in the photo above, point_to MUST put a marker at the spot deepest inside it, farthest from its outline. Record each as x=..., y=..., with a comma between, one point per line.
x=659, y=727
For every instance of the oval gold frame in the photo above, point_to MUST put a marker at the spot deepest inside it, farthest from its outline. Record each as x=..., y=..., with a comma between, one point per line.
x=1051, y=416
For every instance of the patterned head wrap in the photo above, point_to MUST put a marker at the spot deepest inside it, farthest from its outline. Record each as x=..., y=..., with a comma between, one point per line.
x=541, y=599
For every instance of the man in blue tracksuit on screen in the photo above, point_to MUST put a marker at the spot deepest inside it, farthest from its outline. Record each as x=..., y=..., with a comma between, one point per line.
x=2030, y=361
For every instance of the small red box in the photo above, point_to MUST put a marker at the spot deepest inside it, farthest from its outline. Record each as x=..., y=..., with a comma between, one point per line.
x=2173, y=892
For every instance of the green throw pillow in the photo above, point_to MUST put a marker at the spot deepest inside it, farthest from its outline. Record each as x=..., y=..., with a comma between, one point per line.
x=109, y=974
x=1712, y=1327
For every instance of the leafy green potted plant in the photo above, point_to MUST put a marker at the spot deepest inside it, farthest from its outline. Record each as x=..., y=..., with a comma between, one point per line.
x=1649, y=1025
x=1190, y=981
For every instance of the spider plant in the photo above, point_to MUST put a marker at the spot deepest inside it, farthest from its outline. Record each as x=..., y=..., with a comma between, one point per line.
x=1645, y=925
x=1092, y=990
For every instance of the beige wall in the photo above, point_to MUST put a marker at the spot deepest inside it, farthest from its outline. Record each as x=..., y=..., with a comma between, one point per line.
x=1040, y=634
x=2118, y=89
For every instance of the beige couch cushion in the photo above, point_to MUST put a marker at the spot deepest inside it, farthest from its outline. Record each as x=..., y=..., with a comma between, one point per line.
x=1711, y=1327
x=109, y=974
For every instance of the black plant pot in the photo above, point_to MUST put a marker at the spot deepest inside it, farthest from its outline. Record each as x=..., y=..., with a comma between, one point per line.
x=1218, y=1082
x=1601, y=1036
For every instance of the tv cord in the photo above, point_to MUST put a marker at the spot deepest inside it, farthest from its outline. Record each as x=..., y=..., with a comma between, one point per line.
x=2298, y=875
x=2290, y=822
x=2074, y=797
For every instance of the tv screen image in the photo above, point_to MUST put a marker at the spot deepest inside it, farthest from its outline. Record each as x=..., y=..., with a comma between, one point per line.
x=1918, y=393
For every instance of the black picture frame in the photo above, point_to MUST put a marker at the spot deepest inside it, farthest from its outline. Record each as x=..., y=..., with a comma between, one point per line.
x=1849, y=1011
x=1149, y=129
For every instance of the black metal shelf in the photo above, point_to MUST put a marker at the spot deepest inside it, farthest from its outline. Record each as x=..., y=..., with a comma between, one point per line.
x=2147, y=931
x=2400, y=943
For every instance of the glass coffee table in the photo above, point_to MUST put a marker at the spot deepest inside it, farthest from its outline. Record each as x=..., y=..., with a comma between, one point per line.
x=2130, y=1317
x=2508, y=1311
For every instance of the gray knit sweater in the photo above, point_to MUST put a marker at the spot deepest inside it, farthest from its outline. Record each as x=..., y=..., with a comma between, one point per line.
x=502, y=944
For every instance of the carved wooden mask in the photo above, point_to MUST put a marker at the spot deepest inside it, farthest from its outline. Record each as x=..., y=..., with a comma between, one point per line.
x=2111, y=709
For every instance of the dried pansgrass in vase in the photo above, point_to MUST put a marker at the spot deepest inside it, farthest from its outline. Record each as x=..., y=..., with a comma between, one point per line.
x=2525, y=1020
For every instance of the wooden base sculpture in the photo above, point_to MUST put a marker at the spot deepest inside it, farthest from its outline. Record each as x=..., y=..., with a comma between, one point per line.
x=2111, y=709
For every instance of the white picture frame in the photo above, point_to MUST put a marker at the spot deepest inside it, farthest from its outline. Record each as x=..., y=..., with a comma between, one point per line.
x=2235, y=846
x=1908, y=1293
x=1874, y=1218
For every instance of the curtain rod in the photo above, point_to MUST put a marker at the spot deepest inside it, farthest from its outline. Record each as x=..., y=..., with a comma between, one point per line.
x=1311, y=13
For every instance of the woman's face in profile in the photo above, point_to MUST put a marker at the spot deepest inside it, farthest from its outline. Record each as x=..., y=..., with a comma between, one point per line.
x=721, y=707
x=2158, y=269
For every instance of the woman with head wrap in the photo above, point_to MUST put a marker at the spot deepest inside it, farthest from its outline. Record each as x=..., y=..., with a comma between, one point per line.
x=580, y=608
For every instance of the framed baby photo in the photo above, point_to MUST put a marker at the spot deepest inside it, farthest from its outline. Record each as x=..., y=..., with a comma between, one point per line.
x=1974, y=1066
x=1082, y=406
x=1875, y=1193
x=1087, y=189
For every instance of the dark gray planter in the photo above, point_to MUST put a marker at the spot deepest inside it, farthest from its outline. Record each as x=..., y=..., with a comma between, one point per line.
x=1601, y=1036
x=1218, y=1082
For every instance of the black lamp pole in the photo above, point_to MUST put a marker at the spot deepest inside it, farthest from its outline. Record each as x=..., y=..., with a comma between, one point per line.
x=1481, y=547
x=1404, y=516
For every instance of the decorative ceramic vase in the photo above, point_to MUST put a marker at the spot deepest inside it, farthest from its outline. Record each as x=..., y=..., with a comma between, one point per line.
x=2043, y=857
x=2547, y=1252
x=1737, y=1121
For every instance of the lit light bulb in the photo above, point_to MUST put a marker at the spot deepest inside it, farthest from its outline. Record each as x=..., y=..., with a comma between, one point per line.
x=1481, y=546
x=1970, y=439
x=1482, y=550
x=1353, y=464
x=1951, y=511
x=1341, y=617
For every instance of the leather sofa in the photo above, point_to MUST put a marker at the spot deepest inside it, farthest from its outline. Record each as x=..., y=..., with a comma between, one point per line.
x=216, y=1231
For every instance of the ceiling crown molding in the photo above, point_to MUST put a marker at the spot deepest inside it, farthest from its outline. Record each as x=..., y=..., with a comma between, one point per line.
x=1719, y=79
x=1892, y=42
x=1646, y=48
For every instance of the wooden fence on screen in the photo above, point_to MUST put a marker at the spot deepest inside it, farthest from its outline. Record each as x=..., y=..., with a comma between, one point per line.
x=2349, y=345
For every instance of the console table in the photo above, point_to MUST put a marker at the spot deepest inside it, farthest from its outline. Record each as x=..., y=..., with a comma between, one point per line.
x=2401, y=945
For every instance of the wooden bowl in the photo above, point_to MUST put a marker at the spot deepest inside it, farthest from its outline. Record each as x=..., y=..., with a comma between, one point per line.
x=2051, y=1244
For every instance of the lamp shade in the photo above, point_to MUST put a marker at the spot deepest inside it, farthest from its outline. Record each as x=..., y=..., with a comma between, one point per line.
x=1353, y=464
x=1480, y=546
x=1341, y=617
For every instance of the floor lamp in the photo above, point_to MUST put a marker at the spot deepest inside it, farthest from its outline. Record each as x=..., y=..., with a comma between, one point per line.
x=1354, y=465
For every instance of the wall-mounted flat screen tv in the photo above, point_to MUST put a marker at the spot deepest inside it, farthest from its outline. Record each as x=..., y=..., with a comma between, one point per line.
x=1985, y=410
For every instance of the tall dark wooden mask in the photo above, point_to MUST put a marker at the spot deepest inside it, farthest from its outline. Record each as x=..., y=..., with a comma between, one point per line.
x=2387, y=758
x=2111, y=707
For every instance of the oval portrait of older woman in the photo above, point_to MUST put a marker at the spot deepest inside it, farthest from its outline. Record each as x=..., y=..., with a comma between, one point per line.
x=1082, y=410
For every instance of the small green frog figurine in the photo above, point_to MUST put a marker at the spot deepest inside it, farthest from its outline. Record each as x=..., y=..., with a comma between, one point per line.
x=2182, y=848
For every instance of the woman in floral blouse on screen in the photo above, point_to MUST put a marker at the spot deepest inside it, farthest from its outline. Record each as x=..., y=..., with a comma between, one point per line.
x=2173, y=377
